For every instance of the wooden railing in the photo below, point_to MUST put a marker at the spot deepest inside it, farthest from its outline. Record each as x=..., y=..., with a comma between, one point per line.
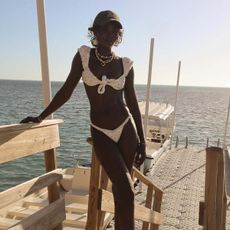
x=213, y=210
x=101, y=199
x=21, y=140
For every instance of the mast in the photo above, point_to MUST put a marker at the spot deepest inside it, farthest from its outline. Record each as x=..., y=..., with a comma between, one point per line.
x=226, y=125
x=148, y=85
x=175, y=105
x=43, y=53
x=147, y=97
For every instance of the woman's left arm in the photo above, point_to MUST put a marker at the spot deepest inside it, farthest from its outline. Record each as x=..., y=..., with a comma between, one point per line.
x=131, y=101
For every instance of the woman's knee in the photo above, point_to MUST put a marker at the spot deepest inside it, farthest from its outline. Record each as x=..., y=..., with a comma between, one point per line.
x=124, y=194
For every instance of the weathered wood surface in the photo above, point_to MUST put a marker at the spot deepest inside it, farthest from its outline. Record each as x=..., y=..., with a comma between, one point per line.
x=46, y=218
x=25, y=189
x=22, y=140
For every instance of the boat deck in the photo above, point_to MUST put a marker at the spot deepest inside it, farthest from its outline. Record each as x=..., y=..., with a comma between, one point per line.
x=181, y=174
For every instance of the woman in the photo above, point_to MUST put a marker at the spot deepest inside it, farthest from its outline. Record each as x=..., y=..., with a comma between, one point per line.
x=106, y=78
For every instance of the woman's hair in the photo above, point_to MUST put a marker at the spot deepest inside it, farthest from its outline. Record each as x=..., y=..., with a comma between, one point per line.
x=93, y=38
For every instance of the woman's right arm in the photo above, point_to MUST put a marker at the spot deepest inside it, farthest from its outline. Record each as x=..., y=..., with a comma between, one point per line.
x=64, y=93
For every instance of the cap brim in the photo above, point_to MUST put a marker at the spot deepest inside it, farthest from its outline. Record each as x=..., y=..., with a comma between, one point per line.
x=104, y=23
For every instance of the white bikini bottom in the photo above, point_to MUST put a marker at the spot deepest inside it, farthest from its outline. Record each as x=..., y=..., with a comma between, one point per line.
x=113, y=134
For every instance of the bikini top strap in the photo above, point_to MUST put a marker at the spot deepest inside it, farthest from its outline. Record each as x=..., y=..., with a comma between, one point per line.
x=128, y=64
x=84, y=53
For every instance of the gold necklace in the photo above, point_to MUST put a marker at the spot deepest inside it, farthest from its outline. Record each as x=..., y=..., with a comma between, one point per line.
x=104, y=57
x=100, y=57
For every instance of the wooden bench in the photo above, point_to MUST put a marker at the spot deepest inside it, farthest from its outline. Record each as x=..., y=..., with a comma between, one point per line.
x=21, y=140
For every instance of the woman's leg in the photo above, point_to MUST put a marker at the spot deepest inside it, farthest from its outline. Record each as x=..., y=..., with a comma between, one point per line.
x=128, y=144
x=113, y=161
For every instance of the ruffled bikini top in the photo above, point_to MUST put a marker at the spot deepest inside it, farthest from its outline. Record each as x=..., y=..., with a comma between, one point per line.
x=91, y=80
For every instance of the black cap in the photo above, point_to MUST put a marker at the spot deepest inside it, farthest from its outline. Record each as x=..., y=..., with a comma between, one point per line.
x=105, y=17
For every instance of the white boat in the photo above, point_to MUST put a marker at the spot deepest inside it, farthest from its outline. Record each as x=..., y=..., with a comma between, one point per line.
x=160, y=126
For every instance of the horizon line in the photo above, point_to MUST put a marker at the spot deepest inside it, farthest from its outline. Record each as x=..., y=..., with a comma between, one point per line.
x=201, y=86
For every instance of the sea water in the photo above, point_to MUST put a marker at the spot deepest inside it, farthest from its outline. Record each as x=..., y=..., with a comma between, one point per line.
x=200, y=113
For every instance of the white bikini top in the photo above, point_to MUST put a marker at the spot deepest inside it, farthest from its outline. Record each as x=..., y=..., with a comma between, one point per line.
x=91, y=80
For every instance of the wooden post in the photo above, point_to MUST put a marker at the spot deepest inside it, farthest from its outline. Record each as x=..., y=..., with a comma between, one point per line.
x=148, y=204
x=92, y=217
x=214, y=189
x=220, y=192
x=50, y=160
x=53, y=190
x=224, y=210
x=103, y=185
x=157, y=206
x=43, y=53
x=51, y=164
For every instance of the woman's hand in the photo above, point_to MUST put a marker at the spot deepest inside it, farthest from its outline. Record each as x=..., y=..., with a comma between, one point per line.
x=140, y=155
x=31, y=119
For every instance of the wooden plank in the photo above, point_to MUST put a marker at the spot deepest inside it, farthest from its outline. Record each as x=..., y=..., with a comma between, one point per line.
x=20, y=212
x=144, y=179
x=76, y=207
x=72, y=228
x=21, y=127
x=220, y=191
x=46, y=218
x=35, y=201
x=140, y=212
x=76, y=220
x=71, y=198
x=5, y=223
x=22, y=190
x=23, y=212
x=21, y=143
x=227, y=172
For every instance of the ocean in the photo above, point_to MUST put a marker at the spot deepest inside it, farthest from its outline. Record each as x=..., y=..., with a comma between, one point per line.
x=201, y=113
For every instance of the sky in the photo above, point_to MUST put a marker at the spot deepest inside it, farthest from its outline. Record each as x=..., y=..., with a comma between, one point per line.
x=195, y=32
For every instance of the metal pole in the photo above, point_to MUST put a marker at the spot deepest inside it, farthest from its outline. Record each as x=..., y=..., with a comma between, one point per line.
x=186, y=142
x=177, y=141
x=226, y=125
x=147, y=97
x=43, y=52
x=177, y=88
x=148, y=86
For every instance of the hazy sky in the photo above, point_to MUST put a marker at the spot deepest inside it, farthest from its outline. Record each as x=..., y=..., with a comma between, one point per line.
x=197, y=32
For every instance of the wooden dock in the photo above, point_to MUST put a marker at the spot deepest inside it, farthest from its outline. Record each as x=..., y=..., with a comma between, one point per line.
x=181, y=174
